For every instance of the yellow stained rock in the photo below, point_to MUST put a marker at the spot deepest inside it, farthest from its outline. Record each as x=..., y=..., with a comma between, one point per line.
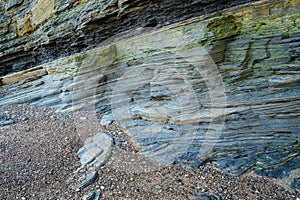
x=23, y=76
x=79, y=2
x=42, y=11
x=24, y=25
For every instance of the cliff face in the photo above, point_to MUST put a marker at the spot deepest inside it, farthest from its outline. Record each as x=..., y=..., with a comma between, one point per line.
x=36, y=32
x=222, y=86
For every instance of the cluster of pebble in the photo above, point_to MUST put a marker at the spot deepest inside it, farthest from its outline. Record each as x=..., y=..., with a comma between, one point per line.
x=43, y=158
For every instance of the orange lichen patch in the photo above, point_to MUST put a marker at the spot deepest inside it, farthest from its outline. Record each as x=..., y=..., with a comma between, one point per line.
x=79, y=2
x=246, y=11
x=262, y=10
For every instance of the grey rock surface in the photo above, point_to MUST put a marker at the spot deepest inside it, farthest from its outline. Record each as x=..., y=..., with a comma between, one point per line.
x=89, y=179
x=96, y=151
x=91, y=196
x=6, y=122
x=107, y=119
x=157, y=92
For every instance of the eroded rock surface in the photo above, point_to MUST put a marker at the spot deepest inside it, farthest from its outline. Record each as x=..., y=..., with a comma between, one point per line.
x=96, y=151
x=94, y=154
x=39, y=31
x=165, y=89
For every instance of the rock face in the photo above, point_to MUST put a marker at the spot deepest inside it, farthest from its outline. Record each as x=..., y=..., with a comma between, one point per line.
x=36, y=32
x=223, y=86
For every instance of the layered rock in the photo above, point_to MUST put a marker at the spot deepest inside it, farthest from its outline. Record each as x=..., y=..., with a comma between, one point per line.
x=36, y=32
x=223, y=86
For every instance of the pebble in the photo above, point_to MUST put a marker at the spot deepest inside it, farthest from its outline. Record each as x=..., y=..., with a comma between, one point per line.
x=7, y=122
x=116, y=143
x=25, y=118
x=14, y=115
x=178, y=180
x=157, y=187
x=51, y=171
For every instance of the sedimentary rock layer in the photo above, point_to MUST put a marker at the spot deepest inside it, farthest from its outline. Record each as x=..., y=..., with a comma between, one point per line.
x=223, y=86
x=36, y=32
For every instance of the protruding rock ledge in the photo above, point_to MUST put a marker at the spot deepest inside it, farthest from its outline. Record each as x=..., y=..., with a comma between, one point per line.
x=24, y=76
x=94, y=154
x=96, y=151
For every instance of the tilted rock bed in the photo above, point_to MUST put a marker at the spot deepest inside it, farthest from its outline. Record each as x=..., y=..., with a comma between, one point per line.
x=39, y=31
x=39, y=158
x=252, y=50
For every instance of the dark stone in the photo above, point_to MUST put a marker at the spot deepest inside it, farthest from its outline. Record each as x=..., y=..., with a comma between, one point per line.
x=25, y=118
x=296, y=183
x=178, y=180
x=116, y=143
x=2, y=116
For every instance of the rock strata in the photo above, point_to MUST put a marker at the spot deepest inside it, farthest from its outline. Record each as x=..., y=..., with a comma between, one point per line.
x=218, y=87
x=36, y=32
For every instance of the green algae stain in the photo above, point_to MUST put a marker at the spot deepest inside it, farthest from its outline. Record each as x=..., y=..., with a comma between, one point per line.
x=223, y=27
x=253, y=26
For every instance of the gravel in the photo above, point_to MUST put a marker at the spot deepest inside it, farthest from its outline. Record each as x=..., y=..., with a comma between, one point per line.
x=38, y=155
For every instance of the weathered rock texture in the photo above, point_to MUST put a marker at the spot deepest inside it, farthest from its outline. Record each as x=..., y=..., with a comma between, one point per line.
x=38, y=31
x=174, y=88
